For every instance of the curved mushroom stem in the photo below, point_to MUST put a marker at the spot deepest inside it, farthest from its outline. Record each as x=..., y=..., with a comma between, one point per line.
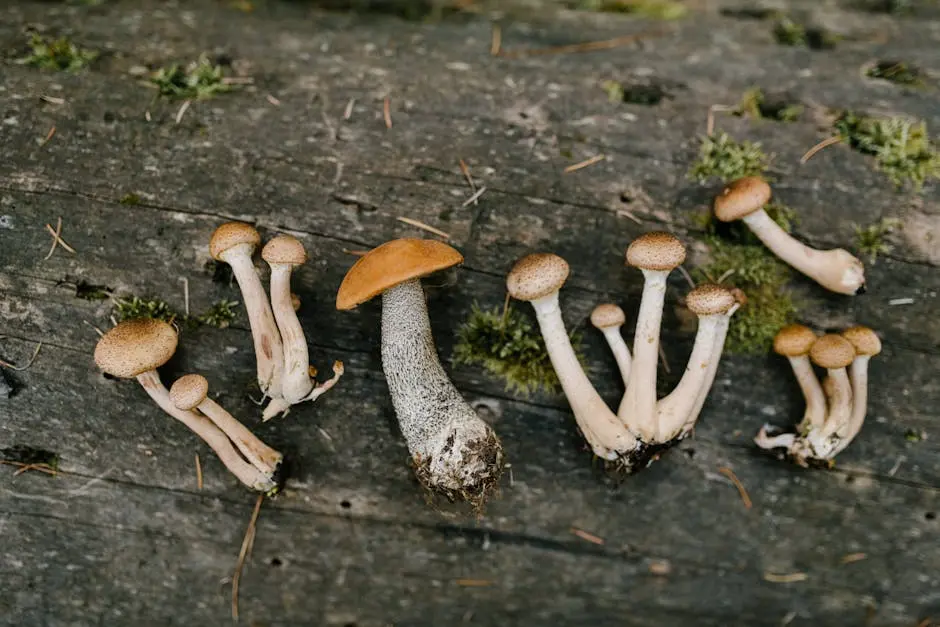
x=460, y=450
x=602, y=429
x=621, y=353
x=839, y=391
x=638, y=407
x=269, y=351
x=261, y=456
x=837, y=270
x=210, y=433
x=815, y=414
x=320, y=388
x=721, y=332
x=277, y=407
x=858, y=372
x=295, y=380
x=784, y=440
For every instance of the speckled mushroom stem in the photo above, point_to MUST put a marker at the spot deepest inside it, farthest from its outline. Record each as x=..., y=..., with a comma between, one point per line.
x=441, y=429
x=295, y=380
x=858, y=375
x=838, y=390
x=210, y=433
x=815, y=414
x=261, y=456
x=721, y=332
x=601, y=428
x=621, y=353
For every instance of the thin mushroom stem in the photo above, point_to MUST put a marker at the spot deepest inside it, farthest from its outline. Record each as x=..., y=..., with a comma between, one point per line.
x=816, y=411
x=295, y=382
x=210, y=433
x=838, y=388
x=262, y=456
x=721, y=332
x=858, y=374
x=784, y=440
x=620, y=350
x=277, y=407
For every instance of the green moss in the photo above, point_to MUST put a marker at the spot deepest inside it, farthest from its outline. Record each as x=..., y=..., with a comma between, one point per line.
x=652, y=9
x=220, y=315
x=135, y=307
x=722, y=157
x=870, y=240
x=509, y=347
x=197, y=81
x=915, y=435
x=755, y=103
x=59, y=54
x=130, y=199
x=789, y=33
x=644, y=94
x=614, y=90
x=902, y=147
x=897, y=72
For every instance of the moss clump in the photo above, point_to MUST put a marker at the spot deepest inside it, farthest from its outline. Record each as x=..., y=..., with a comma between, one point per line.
x=60, y=54
x=870, y=240
x=135, y=307
x=220, y=315
x=756, y=104
x=726, y=159
x=652, y=9
x=199, y=80
x=508, y=346
x=130, y=200
x=902, y=147
x=648, y=94
x=897, y=72
x=788, y=32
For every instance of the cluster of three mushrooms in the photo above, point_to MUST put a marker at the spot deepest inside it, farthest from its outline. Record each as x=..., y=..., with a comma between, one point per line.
x=642, y=425
x=283, y=363
x=835, y=408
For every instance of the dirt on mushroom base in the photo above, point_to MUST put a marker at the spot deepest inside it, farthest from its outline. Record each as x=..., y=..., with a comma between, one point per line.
x=475, y=490
x=781, y=454
x=638, y=459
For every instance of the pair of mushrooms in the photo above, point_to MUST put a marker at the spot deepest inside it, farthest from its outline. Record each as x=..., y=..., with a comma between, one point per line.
x=835, y=408
x=836, y=270
x=642, y=425
x=136, y=348
x=283, y=362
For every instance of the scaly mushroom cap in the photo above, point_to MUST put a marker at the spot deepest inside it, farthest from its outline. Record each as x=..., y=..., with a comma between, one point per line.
x=390, y=264
x=188, y=391
x=135, y=346
x=232, y=234
x=536, y=275
x=794, y=340
x=607, y=315
x=741, y=198
x=832, y=351
x=865, y=341
x=657, y=250
x=739, y=296
x=708, y=299
x=284, y=249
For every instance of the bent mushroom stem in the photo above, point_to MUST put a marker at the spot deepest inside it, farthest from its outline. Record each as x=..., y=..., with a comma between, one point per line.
x=608, y=319
x=721, y=332
x=839, y=392
x=784, y=440
x=815, y=415
x=262, y=456
x=858, y=375
x=296, y=383
x=210, y=433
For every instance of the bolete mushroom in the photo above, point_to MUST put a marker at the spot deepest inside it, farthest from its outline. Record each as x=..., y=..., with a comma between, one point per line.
x=134, y=349
x=282, y=254
x=190, y=393
x=454, y=450
x=537, y=278
x=234, y=243
x=794, y=342
x=837, y=270
x=608, y=318
x=867, y=345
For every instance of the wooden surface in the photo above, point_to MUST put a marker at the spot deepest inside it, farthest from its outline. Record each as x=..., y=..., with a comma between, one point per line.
x=124, y=537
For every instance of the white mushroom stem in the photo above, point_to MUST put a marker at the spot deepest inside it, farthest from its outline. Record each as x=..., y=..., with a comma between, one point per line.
x=601, y=428
x=858, y=373
x=295, y=380
x=261, y=456
x=815, y=414
x=441, y=429
x=210, y=433
x=784, y=440
x=282, y=406
x=277, y=407
x=638, y=407
x=836, y=270
x=621, y=353
x=269, y=351
x=838, y=388
x=721, y=332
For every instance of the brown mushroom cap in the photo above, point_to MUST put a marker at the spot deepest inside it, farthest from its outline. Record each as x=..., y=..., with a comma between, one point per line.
x=709, y=299
x=741, y=198
x=832, y=351
x=794, y=340
x=188, y=391
x=536, y=275
x=135, y=346
x=284, y=249
x=865, y=341
x=232, y=234
x=607, y=315
x=657, y=250
x=390, y=264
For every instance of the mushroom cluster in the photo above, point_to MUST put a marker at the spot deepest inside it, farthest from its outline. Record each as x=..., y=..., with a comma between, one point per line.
x=643, y=426
x=283, y=365
x=835, y=408
x=454, y=451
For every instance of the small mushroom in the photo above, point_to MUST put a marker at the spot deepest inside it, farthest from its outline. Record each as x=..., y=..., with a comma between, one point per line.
x=867, y=345
x=454, y=450
x=234, y=243
x=795, y=342
x=608, y=319
x=656, y=254
x=134, y=349
x=283, y=253
x=713, y=304
x=190, y=393
x=837, y=270
x=834, y=353
x=537, y=278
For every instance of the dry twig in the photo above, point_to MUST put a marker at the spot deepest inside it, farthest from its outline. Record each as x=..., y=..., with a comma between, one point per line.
x=21, y=467
x=587, y=162
x=57, y=238
x=422, y=225
x=496, y=40
x=588, y=46
x=198, y=473
x=247, y=543
x=387, y=112
x=48, y=136
x=466, y=173
x=835, y=139
x=29, y=363
x=584, y=535
x=737, y=483
x=473, y=199
x=785, y=578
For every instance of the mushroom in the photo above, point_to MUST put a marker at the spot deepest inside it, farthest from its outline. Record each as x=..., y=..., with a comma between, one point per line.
x=537, y=278
x=656, y=254
x=234, y=243
x=837, y=270
x=608, y=319
x=713, y=304
x=454, y=450
x=283, y=253
x=867, y=345
x=795, y=342
x=834, y=353
x=135, y=349
x=190, y=393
